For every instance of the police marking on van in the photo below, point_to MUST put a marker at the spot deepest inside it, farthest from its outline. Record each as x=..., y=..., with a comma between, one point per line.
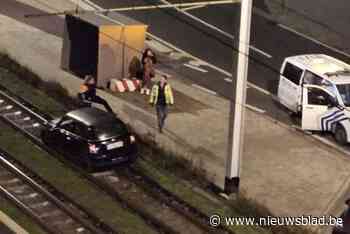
x=318, y=87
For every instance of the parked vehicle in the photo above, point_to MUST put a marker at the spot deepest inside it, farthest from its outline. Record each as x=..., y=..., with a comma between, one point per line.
x=91, y=136
x=318, y=87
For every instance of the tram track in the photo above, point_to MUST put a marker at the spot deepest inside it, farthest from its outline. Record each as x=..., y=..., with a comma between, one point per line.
x=161, y=209
x=53, y=211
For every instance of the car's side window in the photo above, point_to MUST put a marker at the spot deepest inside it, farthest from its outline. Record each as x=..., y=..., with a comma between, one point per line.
x=68, y=124
x=292, y=73
x=84, y=131
x=71, y=127
x=318, y=97
x=311, y=78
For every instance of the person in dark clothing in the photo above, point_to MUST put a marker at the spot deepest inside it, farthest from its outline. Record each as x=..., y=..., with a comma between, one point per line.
x=87, y=93
x=148, y=60
x=161, y=97
x=150, y=54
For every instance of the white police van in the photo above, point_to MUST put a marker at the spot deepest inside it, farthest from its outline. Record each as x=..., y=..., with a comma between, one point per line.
x=318, y=87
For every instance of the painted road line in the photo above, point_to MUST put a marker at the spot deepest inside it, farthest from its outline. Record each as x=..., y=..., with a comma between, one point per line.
x=193, y=7
x=196, y=63
x=159, y=46
x=198, y=19
x=162, y=73
x=260, y=51
x=260, y=89
x=183, y=52
x=228, y=80
x=90, y=4
x=194, y=57
x=213, y=27
x=256, y=109
x=195, y=68
x=313, y=40
x=204, y=89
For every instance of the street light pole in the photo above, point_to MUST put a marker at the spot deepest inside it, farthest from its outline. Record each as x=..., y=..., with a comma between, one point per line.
x=236, y=133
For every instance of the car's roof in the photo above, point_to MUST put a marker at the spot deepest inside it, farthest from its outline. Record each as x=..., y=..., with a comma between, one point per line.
x=90, y=116
x=320, y=64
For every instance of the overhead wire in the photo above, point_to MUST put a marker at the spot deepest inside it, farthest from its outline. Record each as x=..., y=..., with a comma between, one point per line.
x=196, y=27
x=165, y=65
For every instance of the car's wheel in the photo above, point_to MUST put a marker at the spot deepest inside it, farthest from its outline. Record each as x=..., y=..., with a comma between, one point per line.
x=340, y=135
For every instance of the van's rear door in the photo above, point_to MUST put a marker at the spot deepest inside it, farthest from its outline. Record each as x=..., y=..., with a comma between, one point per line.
x=318, y=111
x=289, y=89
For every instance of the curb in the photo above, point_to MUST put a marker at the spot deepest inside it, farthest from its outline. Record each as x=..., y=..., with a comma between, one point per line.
x=322, y=140
x=12, y=225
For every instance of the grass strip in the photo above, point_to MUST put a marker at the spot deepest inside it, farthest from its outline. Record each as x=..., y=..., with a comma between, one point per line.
x=70, y=183
x=167, y=168
x=190, y=184
x=207, y=204
x=19, y=217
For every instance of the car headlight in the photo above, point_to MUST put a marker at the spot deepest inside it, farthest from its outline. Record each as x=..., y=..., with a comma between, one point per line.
x=132, y=139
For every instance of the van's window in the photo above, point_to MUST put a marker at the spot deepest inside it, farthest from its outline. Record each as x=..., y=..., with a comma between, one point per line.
x=311, y=78
x=317, y=96
x=344, y=91
x=292, y=73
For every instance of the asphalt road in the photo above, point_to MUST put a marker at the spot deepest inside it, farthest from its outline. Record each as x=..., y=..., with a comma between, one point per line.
x=195, y=39
x=216, y=48
x=199, y=41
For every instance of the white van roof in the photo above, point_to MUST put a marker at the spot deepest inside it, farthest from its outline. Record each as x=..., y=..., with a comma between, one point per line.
x=323, y=65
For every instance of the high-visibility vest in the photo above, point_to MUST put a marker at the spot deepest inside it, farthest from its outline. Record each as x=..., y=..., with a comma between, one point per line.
x=169, y=98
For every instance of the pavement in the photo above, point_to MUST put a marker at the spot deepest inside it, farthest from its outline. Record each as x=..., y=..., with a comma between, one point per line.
x=271, y=41
x=275, y=34
x=289, y=172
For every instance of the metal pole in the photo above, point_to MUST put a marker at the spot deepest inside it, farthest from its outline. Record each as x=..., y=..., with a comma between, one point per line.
x=238, y=104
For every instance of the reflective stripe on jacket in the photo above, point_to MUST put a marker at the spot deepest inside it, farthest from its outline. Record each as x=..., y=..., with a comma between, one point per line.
x=169, y=98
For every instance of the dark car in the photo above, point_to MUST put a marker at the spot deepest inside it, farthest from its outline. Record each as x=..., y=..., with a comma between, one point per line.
x=91, y=136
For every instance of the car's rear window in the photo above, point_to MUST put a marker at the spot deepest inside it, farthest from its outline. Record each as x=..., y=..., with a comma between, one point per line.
x=109, y=127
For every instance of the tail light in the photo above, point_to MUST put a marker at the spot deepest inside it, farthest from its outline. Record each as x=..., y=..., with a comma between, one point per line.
x=132, y=139
x=93, y=149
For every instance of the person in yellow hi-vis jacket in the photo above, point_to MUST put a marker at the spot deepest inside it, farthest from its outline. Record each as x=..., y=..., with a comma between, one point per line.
x=161, y=97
